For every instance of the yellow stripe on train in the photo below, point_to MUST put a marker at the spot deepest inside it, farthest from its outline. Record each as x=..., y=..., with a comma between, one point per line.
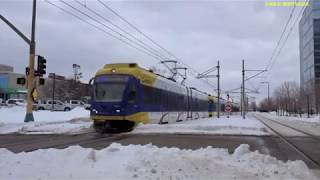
x=140, y=117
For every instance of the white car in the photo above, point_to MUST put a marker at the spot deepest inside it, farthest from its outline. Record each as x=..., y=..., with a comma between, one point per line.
x=19, y=102
x=55, y=105
x=77, y=103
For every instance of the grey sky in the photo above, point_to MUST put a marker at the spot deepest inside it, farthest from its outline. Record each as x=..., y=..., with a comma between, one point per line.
x=198, y=32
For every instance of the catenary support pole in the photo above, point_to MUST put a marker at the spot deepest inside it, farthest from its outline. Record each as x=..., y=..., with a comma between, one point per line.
x=243, y=91
x=53, y=89
x=218, y=84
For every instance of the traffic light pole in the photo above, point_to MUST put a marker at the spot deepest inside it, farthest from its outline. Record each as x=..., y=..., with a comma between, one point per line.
x=30, y=78
x=31, y=43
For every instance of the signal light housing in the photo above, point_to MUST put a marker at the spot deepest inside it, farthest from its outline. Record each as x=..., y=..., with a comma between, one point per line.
x=41, y=70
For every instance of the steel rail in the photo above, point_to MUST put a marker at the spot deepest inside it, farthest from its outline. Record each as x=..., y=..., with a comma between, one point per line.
x=292, y=145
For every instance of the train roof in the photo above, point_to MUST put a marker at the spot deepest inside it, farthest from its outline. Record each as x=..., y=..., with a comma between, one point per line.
x=147, y=77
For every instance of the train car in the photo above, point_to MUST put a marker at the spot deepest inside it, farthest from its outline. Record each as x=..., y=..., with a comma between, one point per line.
x=125, y=94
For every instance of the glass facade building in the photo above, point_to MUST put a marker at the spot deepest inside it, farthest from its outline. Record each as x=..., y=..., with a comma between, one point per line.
x=309, y=36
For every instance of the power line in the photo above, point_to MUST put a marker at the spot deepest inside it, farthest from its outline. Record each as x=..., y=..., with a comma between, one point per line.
x=99, y=28
x=271, y=64
x=281, y=36
x=135, y=28
x=90, y=17
x=121, y=29
x=287, y=37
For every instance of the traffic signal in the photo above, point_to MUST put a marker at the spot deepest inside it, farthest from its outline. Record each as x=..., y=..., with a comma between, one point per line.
x=41, y=81
x=41, y=70
x=21, y=81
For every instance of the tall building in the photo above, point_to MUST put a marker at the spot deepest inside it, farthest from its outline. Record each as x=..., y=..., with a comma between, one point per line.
x=309, y=33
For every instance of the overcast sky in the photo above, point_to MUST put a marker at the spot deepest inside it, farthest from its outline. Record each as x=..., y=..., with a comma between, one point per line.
x=197, y=32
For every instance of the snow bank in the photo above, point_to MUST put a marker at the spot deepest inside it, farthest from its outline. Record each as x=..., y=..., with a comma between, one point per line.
x=46, y=122
x=148, y=162
x=234, y=125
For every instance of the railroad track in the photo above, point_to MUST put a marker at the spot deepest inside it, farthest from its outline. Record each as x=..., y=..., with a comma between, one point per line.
x=266, y=121
x=60, y=142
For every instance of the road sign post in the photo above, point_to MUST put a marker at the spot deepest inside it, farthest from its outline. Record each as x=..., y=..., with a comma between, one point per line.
x=228, y=109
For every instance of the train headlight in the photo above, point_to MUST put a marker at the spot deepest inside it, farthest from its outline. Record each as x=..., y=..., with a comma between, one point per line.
x=118, y=110
x=94, y=111
x=113, y=70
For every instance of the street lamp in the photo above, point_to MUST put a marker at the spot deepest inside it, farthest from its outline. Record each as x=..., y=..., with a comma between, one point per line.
x=268, y=83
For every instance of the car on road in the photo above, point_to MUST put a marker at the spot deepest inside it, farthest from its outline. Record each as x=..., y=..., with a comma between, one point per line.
x=77, y=103
x=18, y=102
x=54, y=105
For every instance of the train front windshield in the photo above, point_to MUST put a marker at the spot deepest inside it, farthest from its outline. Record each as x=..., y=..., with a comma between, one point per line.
x=110, y=88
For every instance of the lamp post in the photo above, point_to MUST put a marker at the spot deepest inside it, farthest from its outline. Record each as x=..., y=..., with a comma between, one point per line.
x=268, y=83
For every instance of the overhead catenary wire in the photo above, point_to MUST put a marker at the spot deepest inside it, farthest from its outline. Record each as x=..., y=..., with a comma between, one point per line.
x=111, y=29
x=100, y=29
x=121, y=29
x=135, y=28
x=281, y=36
x=276, y=55
x=288, y=35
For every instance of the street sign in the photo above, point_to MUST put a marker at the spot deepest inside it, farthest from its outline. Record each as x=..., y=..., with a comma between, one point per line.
x=34, y=94
x=228, y=107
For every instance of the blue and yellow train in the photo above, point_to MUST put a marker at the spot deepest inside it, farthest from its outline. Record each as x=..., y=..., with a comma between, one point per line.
x=126, y=94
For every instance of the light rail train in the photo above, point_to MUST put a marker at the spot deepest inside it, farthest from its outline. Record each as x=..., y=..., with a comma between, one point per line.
x=125, y=95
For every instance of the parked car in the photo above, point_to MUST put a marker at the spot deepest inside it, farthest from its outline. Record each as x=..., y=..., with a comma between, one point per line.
x=19, y=102
x=2, y=103
x=55, y=105
x=78, y=103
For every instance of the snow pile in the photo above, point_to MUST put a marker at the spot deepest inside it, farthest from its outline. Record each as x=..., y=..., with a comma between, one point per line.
x=148, y=162
x=234, y=125
x=46, y=122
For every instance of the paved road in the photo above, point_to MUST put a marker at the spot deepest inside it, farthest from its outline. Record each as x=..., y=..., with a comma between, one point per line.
x=265, y=144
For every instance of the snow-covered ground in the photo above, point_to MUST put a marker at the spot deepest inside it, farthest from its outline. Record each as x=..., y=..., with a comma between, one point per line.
x=77, y=120
x=234, y=125
x=273, y=115
x=46, y=122
x=310, y=125
x=148, y=162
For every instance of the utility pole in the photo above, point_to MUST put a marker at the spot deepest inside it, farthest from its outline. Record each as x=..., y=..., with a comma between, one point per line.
x=247, y=104
x=243, y=92
x=77, y=74
x=308, y=106
x=206, y=74
x=268, y=83
x=218, y=84
x=53, y=88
